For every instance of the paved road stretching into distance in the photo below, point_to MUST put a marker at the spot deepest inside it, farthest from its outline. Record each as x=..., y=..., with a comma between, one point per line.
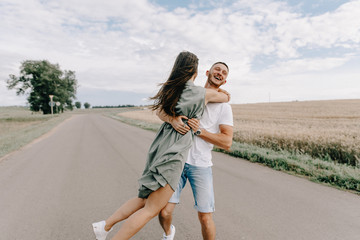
x=85, y=168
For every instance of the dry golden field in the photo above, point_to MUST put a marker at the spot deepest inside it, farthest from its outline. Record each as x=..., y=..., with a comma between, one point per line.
x=326, y=129
x=319, y=128
x=143, y=115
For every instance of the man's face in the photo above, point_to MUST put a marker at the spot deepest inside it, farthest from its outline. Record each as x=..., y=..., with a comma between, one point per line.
x=217, y=75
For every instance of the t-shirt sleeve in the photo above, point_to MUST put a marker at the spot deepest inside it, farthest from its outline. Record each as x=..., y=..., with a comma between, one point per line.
x=226, y=115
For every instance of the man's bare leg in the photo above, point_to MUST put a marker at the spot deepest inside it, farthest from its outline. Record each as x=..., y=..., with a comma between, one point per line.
x=165, y=217
x=208, y=229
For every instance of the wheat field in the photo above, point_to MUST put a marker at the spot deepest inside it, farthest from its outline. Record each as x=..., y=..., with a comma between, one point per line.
x=325, y=129
x=329, y=130
x=144, y=114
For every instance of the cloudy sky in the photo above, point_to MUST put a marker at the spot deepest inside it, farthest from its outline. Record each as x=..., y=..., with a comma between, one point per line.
x=281, y=50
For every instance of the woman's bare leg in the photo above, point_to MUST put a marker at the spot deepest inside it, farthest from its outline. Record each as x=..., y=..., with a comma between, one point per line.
x=124, y=211
x=155, y=202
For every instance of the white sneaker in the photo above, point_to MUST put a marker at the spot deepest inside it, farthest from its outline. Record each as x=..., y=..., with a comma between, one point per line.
x=172, y=234
x=99, y=230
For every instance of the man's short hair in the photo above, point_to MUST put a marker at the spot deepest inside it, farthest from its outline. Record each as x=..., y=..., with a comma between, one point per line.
x=220, y=63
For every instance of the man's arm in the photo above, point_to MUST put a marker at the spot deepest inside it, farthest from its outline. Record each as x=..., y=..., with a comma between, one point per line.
x=223, y=139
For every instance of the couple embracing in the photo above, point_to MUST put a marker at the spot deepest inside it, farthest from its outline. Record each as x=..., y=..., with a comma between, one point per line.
x=181, y=151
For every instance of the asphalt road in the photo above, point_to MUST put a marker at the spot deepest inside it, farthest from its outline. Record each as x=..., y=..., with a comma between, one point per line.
x=85, y=168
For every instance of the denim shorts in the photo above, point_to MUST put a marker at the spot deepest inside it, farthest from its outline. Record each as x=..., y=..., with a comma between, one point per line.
x=201, y=181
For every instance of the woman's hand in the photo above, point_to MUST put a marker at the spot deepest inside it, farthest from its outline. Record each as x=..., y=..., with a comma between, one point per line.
x=225, y=92
x=194, y=123
x=178, y=124
x=218, y=96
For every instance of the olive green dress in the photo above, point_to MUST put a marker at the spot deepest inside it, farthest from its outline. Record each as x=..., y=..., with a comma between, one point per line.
x=168, y=153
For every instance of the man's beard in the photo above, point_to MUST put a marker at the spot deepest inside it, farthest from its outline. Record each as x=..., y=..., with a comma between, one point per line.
x=211, y=82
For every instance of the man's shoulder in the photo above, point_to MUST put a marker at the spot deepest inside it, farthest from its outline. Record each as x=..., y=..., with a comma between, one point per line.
x=219, y=109
x=219, y=105
x=225, y=114
x=218, y=112
x=226, y=105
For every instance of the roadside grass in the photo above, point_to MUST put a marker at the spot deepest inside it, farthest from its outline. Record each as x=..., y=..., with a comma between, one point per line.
x=19, y=126
x=138, y=123
x=325, y=171
x=342, y=176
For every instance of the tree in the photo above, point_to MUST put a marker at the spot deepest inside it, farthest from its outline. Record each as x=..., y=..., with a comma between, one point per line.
x=86, y=105
x=78, y=105
x=39, y=79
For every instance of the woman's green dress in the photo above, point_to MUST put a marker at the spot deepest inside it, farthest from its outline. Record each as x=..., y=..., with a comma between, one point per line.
x=169, y=151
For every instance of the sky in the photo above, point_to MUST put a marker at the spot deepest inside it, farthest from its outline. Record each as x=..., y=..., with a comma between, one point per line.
x=121, y=50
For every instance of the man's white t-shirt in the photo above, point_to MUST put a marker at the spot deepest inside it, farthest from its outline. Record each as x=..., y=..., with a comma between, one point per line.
x=215, y=114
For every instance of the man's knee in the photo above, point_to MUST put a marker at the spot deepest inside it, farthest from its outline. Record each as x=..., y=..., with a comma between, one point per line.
x=205, y=218
x=164, y=214
x=167, y=211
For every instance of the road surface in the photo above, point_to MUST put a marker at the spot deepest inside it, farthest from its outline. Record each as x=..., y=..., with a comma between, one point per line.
x=85, y=168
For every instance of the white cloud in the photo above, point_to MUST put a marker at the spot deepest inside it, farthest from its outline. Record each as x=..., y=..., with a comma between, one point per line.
x=297, y=66
x=131, y=45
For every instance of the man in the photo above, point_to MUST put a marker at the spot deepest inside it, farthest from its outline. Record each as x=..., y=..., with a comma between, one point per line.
x=215, y=128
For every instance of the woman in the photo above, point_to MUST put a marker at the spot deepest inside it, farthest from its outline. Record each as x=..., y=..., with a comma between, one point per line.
x=167, y=154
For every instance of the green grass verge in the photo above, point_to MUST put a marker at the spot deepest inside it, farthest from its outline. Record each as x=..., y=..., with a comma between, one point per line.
x=317, y=170
x=138, y=123
x=338, y=175
x=16, y=140
x=19, y=127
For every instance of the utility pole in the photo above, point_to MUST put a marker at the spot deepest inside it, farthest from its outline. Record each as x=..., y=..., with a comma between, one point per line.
x=51, y=104
x=269, y=96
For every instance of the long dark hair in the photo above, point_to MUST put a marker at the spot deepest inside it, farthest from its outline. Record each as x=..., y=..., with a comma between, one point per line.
x=185, y=66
